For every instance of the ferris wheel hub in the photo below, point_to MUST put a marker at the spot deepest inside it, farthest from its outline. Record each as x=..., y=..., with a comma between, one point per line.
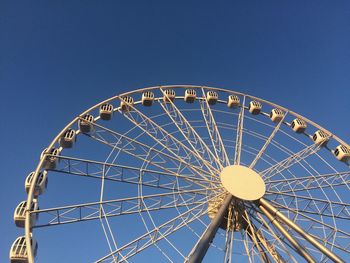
x=242, y=182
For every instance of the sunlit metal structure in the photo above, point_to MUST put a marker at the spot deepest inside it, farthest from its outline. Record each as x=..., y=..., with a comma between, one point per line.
x=207, y=173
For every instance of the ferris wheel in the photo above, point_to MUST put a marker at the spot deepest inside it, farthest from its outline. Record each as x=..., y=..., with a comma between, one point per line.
x=185, y=174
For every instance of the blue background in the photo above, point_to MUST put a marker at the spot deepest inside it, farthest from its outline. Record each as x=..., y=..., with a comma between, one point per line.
x=57, y=58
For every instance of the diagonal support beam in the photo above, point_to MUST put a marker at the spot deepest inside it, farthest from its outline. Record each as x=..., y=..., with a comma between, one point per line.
x=271, y=209
x=299, y=248
x=200, y=249
x=295, y=158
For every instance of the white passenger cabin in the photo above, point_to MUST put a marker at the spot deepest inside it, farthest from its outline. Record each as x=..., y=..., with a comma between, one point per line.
x=169, y=95
x=342, y=153
x=255, y=107
x=276, y=115
x=18, y=251
x=126, y=103
x=19, y=215
x=86, y=123
x=298, y=125
x=233, y=101
x=147, y=98
x=190, y=95
x=320, y=137
x=106, y=111
x=40, y=185
x=51, y=160
x=212, y=97
x=68, y=139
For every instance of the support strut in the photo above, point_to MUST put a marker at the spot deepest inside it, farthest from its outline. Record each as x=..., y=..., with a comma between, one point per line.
x=300, y=231
x=300, y=249
x=200, y=249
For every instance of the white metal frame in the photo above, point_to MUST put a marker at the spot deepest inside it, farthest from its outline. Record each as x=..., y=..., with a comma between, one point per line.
x=205, y=164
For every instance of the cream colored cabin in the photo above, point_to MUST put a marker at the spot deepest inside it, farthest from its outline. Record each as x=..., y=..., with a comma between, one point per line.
x=298, y=125
x=18, y=251
x=233, y=101
x=212, y=97
x=276, y=115
x=106, y=111
x=50, y=161
x=86, y=123
x=40, y=185
x=255, y=107
x=169, y=95
x=190, y=95
x=342, y=153
x=320, y=137
x=68, y=139
x=19, y=215
x=147, y=98
x=126, y=103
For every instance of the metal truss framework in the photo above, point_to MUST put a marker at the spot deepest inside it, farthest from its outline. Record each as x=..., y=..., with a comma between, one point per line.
x=111, y=208
x=173, y=156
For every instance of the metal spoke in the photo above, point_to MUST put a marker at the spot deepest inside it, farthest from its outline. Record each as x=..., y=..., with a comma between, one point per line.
x=271, y=247
x=213, y=130
x=246, y=246
x=137, y=148
x=189, y=133
x=229, y=246
x=267, y=142
x=295, y=158
x=239, y=135
x=167, y=140
x=153, y=158
x=229, y=236
x=252, y=233
x=157, y=234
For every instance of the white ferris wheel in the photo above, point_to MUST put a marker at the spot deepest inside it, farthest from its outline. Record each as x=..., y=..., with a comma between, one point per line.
x=185, y=174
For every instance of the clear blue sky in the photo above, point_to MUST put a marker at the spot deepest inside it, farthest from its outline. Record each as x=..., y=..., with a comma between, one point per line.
x=58, y=58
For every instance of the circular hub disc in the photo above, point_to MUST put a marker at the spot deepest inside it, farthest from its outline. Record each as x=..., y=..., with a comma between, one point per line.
x=242, y=182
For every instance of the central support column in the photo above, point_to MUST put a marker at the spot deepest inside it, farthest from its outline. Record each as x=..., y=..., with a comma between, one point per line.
x=200, y=249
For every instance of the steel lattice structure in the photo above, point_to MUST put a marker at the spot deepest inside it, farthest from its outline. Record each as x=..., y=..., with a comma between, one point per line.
x=159, y=162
